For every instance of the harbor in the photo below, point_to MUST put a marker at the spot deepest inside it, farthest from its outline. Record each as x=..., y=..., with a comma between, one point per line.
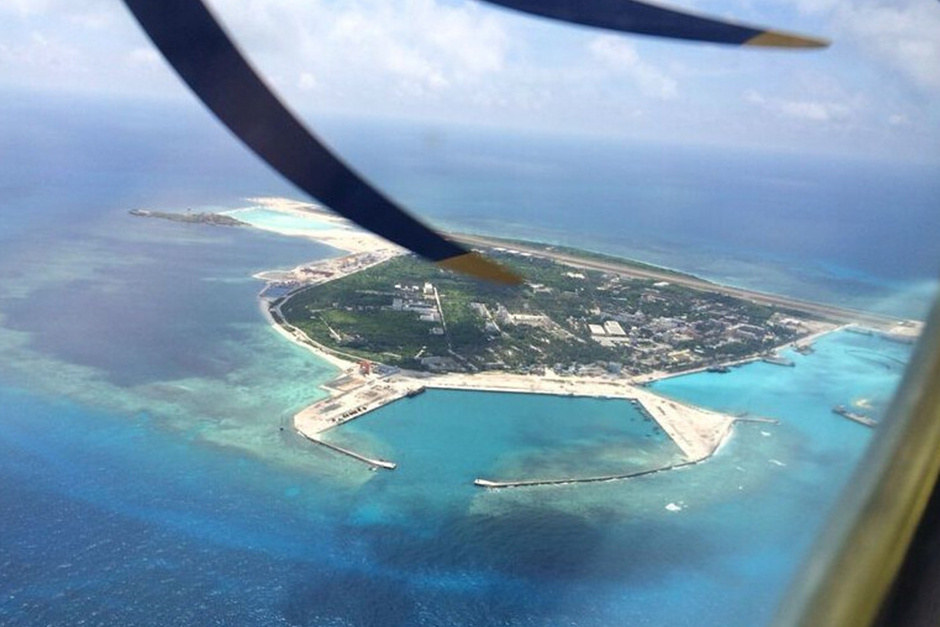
x=697, y=432
x=362, y=387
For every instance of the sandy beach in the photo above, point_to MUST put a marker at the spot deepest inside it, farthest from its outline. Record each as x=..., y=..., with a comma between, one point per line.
x=342, y=234
x=697, y=432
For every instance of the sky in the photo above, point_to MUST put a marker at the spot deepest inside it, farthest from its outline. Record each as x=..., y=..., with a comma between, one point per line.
x=875, y=93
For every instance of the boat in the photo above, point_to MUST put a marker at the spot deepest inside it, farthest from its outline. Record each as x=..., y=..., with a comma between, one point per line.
x=856, y=417
x=778, y=361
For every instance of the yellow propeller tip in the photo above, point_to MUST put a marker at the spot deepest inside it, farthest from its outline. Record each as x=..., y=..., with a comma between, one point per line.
x=778, y=39
x=476, y=265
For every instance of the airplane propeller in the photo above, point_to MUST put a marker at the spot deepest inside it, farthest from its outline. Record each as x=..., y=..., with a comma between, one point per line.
x=631, y=16
x=191, y=39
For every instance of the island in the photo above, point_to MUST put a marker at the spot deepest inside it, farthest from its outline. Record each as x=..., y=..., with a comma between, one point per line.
x=200, y=217
x=407, y=313
x=583, y=324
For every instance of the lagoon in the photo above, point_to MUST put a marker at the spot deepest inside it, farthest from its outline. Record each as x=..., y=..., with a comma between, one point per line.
x=281, y=221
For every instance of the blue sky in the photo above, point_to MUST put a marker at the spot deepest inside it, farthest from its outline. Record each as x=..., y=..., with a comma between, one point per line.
x=874, y=93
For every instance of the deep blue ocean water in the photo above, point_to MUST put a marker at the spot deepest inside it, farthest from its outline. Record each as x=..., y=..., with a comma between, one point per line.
x=145, y=477
x=832, y=229
x=117, y=519
x=835, y=229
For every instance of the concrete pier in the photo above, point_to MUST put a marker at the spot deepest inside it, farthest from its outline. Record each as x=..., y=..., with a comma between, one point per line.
x=379, y=463
x=758, y=419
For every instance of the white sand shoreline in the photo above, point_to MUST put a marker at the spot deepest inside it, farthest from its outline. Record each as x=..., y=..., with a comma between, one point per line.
x=343, y=234
x=697, y=432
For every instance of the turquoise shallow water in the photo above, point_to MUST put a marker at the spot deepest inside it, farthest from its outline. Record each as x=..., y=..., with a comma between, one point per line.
x=165, y=492
x=443, y=440
x=145, y=478
x=858, y=371
x=280, y=221
x=116, y=519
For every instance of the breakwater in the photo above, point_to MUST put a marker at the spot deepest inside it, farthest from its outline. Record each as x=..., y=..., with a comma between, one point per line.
x=523, y=483
x=378, y=463
x=696, y=432
x=486, y=483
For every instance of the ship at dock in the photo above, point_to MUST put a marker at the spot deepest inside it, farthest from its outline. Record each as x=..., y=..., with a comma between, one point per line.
x=415, y=392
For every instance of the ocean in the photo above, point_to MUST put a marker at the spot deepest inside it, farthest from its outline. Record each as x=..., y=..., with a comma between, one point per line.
x=149, y=475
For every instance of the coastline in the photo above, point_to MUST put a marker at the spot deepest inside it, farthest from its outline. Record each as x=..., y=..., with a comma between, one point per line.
x=803, y=343
x=884, y=323
x=342, y=234
x=697, y=432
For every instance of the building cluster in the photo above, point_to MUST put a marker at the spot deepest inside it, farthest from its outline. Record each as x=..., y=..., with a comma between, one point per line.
x=643, y=329
x=656, y=329
x=423, y=301
x=577, y=322
x=706, y=330
x=322, y=271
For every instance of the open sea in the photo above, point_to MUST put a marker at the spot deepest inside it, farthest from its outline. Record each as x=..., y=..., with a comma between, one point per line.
x=148, y=474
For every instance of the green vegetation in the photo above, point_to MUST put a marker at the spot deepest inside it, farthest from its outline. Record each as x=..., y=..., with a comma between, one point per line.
x=410, y=313
x=215, y=219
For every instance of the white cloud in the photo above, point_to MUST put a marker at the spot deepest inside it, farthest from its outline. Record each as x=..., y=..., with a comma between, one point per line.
x=806, y=109
x=898, y=119
x=904, y=35
x=38, y=53
x=144, y=58
x=410, y=47
x=466, y=61
x=621, y=55
x=307, y=81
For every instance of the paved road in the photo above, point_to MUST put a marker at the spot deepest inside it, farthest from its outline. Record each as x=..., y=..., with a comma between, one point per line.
x=829, y=312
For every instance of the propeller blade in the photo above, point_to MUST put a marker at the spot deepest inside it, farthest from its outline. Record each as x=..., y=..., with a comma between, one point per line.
x=206, y=59
x=631, y=16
